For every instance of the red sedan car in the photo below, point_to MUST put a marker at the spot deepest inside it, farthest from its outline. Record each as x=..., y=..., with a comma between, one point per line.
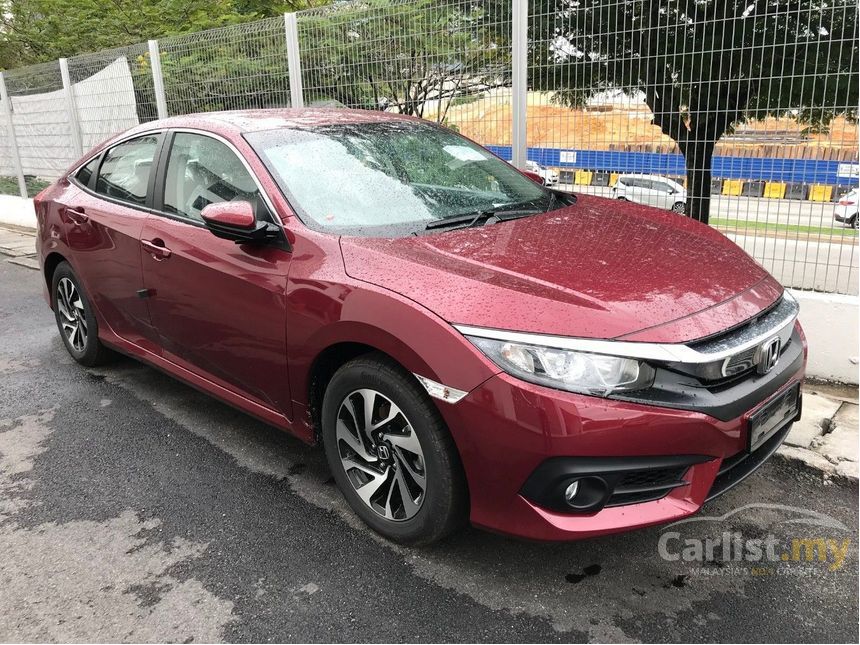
x=465, y=343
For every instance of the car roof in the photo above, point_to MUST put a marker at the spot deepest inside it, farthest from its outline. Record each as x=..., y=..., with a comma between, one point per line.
x=242, y=121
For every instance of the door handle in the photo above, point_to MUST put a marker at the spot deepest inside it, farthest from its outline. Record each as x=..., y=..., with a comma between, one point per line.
x=77, y=216
x=156, y=248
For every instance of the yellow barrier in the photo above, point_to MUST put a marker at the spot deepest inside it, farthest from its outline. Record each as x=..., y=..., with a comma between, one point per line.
x=820, y=193
x=774, y=190
x=733, y=186
x=613, y=178
x=583, y=177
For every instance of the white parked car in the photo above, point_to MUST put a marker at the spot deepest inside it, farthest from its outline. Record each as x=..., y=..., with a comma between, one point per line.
x=651, y=190
x=846, y=209
x=550, y=177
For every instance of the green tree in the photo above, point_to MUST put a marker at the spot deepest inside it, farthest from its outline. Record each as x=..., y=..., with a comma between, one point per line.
x=702, y=66
x=408, y=56
x=42, y=30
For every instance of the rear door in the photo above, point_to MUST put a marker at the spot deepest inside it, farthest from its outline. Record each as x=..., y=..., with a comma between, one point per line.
x=103, y=224
x=219, y=307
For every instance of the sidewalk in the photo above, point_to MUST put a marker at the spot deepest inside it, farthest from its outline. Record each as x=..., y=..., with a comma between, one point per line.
x=825, y=438
x=19, y=245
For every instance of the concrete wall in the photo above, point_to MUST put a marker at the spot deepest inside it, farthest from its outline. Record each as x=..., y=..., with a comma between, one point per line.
x=17, y=211
x=833, y=330
x=829, y=320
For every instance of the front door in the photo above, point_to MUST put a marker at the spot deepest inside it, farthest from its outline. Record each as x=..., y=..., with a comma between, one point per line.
x=219, y=307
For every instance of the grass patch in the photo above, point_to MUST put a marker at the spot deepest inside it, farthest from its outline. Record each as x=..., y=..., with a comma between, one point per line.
x=740, y=224
x=9, y=185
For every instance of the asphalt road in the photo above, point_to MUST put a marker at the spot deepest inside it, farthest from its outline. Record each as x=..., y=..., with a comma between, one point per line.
x=133, y=508
x=756, y=209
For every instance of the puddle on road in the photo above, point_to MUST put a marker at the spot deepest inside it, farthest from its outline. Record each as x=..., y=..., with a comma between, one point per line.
x=519, y=577
x=91, y=581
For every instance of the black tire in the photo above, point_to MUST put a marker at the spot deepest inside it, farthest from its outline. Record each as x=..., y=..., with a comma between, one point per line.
x=90, y=351
x=855, y=221
x=679, y=207
x=444, y=505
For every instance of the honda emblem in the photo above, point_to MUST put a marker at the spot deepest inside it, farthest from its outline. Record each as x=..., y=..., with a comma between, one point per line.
x=769, y=355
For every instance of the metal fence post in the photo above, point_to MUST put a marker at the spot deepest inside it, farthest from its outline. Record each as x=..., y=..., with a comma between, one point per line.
x=157, y=79
x=71, y=106
x=13, y=141
x=519, y=81
x=294, y=61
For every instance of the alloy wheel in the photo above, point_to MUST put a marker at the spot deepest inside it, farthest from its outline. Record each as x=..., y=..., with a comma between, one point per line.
x=72, y=315
x=381, y=455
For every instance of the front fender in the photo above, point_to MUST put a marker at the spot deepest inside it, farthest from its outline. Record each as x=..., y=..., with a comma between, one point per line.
x=357, y=312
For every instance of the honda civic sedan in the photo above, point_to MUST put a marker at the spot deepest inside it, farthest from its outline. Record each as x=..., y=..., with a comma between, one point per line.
x=465, y=344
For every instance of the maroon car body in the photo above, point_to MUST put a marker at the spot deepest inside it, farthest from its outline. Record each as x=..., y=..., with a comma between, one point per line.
x=263, y=327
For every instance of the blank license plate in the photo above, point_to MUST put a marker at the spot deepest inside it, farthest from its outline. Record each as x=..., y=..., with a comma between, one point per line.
x=780, y=410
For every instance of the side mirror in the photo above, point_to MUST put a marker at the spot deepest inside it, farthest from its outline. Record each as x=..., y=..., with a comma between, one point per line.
x=236, y=221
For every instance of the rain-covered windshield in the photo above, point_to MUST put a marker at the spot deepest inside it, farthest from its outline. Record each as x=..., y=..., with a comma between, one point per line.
x=390, y=179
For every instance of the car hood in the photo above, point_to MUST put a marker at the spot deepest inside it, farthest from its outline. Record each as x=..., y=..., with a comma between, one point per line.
x=597, y=269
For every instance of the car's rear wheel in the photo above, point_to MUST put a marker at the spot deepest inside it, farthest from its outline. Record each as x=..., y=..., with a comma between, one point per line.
x=75, y=318
x=855, y=221
x=391, y=454
x=679, y=207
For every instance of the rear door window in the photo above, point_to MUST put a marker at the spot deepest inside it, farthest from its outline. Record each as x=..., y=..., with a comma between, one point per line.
x=126, y=168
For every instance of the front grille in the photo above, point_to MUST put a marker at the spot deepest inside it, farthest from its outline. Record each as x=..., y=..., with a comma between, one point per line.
x=733, y=353
x=769, y=321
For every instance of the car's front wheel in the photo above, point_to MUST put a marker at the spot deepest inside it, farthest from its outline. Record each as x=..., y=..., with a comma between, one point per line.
x=76, y=319
x=391, y=454
x=679, y=207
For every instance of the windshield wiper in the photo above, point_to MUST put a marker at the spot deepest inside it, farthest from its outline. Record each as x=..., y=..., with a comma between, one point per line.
x=480, y=218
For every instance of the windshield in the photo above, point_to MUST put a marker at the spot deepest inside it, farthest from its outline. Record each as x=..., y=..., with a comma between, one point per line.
x=390, y=179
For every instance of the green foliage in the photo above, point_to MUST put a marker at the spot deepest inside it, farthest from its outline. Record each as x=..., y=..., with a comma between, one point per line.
x=243, y=67
x=407, y=56
x=41, y=30
x=703, y=66
x=9, y=185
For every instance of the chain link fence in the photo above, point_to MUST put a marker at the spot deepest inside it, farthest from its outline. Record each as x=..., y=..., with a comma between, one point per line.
x=745, y=111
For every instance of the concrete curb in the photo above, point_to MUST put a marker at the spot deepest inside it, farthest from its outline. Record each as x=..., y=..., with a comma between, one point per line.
x=826, y=437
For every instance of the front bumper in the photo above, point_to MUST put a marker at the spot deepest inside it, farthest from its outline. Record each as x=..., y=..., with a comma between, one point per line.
x=507, y=429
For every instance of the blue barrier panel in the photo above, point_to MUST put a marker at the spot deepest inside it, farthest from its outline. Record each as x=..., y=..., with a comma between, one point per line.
x=802, y=171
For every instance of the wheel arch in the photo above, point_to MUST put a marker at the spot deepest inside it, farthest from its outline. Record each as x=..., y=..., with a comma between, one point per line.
x=348, y=341
x=52, y=261
x=323, y=368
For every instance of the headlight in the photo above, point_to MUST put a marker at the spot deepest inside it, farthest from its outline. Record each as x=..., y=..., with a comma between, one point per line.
x=580, y=372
